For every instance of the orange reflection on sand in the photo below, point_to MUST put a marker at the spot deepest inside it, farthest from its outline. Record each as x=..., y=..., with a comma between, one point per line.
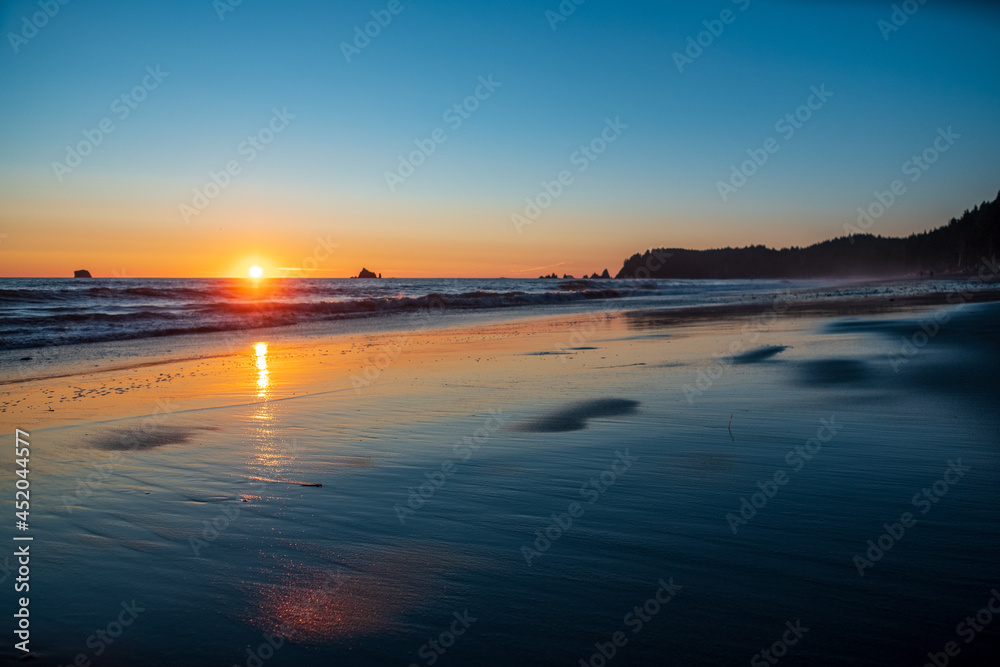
x=312, y=603
x=267, y=457
x=304, y=611
x=263, y=381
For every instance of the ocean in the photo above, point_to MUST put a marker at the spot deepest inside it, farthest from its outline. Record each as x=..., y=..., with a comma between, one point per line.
x=44, y=312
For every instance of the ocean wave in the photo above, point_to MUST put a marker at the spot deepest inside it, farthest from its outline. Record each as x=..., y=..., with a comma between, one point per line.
x=202, y=310
x=47, y=312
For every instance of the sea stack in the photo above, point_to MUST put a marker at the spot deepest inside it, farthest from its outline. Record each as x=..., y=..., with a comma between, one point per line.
x=82, y=273
x=365, y=273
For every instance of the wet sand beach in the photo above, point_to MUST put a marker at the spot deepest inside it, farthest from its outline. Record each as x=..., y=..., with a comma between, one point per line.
x=545, y=490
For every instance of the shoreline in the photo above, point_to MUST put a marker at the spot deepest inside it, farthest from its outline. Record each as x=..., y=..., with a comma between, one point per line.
x=319, y=363
x=68, y=360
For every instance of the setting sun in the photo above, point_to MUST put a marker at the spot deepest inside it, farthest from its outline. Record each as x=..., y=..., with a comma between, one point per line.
x=304, y=282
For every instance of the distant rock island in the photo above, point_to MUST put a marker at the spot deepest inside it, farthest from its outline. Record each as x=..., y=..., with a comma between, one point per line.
x=566, y=276
x=82, y=273
x=365, y=273
x=956, y=248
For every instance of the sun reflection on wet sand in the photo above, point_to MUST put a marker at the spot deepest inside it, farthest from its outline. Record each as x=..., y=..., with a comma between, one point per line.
x=267, y=459
x=260, y=349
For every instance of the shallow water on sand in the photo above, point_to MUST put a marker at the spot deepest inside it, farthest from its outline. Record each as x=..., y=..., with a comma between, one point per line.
x=511, y=546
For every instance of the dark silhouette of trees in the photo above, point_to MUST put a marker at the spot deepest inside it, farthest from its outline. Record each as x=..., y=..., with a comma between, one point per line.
x=957, y=247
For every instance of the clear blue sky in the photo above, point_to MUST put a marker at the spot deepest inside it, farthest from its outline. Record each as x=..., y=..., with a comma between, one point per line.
x=325, y=173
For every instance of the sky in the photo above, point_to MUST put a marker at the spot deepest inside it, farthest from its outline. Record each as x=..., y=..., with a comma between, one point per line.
x=584, y=133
